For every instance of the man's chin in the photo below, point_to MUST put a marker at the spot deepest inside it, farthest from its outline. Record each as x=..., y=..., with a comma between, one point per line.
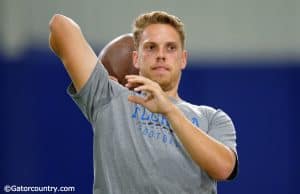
x=163, y=81
x=160, y=80
x=164, y=84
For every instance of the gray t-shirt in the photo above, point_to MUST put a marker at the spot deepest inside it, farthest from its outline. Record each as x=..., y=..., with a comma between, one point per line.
x=136, y=151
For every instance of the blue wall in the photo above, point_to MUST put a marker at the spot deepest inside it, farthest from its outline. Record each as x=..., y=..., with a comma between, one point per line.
x=45, y=140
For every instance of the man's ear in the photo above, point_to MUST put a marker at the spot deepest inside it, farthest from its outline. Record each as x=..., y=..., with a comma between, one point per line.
x=135, y=57
x=184, y=59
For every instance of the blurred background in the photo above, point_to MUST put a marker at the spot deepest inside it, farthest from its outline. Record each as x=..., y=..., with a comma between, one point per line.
x=243, y=58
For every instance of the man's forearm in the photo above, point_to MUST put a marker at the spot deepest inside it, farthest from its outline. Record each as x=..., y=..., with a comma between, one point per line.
x=212, y=156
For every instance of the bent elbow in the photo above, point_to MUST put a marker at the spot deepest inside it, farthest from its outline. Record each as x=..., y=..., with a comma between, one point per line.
x=62, y=23
x=61, y=28
x=53, y=21
x=53, y=26
x=56, y=21
x=225, y=171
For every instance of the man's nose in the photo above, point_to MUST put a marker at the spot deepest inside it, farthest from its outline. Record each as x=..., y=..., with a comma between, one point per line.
x=161, y=54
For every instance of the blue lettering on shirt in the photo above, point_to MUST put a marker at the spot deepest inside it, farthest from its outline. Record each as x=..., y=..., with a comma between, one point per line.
x=156, y=126
x=195, y=121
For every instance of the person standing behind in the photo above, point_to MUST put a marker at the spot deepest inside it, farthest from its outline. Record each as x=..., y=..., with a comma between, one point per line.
x=147, y=140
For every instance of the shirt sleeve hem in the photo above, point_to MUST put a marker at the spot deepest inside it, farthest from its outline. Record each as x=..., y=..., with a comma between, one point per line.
x=72, y=91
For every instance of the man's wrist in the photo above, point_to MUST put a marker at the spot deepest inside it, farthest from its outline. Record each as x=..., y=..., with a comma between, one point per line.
x=171, y=110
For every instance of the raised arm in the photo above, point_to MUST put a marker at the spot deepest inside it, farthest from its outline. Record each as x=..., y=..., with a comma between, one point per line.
x=69, y=44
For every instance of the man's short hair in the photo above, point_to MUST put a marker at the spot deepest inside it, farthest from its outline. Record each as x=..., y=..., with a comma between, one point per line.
x=157, y=17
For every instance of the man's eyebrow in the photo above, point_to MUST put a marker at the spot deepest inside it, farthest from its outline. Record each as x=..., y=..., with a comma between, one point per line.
x=172, y=42
x=169, y=42
x=150, y=42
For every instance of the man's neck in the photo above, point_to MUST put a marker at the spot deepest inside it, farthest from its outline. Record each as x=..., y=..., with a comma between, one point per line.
x=173, y=94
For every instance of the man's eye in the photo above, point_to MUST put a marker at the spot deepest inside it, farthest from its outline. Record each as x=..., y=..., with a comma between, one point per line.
x=150, y=47
x=171, y=47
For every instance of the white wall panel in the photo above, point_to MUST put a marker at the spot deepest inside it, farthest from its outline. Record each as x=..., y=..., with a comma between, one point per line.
x=214, y=28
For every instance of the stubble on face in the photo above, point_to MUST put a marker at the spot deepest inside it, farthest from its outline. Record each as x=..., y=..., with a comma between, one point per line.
x=160, y=55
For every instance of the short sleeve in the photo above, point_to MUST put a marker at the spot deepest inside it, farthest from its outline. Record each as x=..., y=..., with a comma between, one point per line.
x=96, y=93
x=222, y=129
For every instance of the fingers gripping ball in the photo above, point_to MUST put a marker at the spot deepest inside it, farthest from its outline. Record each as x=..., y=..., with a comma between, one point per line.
x=116, y=57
